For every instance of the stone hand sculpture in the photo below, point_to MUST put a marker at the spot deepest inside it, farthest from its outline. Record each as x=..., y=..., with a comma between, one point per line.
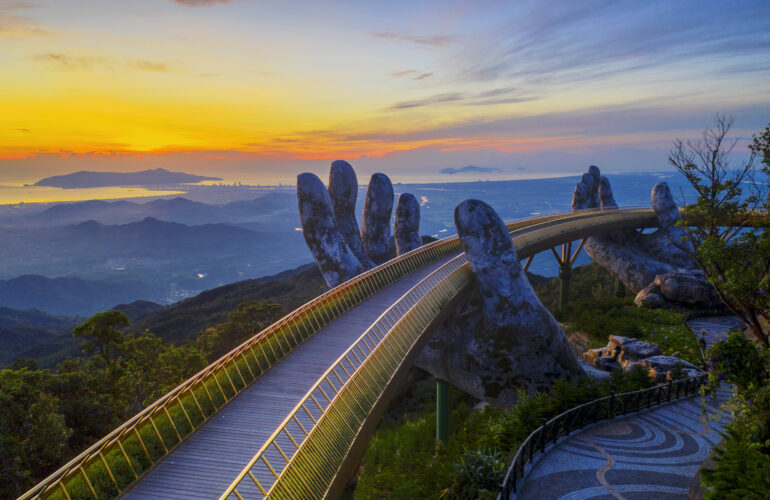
x=343, y=190
x=336, y=260
x=406, y=227
x=331, y=231
x=502, y=338
x=655, y=266
x=375, y=227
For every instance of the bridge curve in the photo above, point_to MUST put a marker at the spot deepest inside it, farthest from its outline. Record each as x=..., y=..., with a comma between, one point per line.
x=305, y=393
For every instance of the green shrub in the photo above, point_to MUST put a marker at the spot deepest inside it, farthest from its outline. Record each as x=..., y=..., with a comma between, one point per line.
x=478, y=474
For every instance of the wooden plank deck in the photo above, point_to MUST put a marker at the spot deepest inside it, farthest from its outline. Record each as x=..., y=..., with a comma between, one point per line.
x=206, y=462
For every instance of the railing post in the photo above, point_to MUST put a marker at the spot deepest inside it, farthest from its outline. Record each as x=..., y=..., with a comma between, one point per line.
x=668, y=397
x=442, y=411
x=542, y=437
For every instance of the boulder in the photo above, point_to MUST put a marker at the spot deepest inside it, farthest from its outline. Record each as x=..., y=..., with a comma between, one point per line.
x=660, y=367
x=334, y=257
x=688, y=288
x=375, y=227
x=650, y=297
x=406, y=226
x=626, y=349
x=343, y=190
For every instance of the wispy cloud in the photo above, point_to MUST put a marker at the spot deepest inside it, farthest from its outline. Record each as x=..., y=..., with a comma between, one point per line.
x=406, y=72
x=153, y=66
x=436, y=99
x=423, y=76
x=13, y=25
x=571, y=42
x=200, y=3
x=486, y=98
x=425, y=41
x=68, y=62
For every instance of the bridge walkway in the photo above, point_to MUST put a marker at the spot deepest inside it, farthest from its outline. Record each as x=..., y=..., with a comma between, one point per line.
x=205, y=463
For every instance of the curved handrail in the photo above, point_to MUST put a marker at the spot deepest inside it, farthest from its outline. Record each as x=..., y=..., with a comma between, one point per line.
x=145, y=438
x=608, y=407
x=296, y=475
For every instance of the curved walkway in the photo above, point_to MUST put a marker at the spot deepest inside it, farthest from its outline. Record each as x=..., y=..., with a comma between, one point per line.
x=649, y=455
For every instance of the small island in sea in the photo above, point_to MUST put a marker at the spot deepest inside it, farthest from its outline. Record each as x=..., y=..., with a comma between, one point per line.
x=156, y=177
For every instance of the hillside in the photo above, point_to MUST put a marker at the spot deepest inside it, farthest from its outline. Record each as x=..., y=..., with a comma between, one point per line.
x=22, y=331
x=181, y=322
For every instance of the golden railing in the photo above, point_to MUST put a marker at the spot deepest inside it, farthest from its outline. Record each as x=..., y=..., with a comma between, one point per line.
x=311, y=453
x=112, y=464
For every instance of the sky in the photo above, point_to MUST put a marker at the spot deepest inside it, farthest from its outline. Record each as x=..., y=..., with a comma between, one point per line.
x=258, y=91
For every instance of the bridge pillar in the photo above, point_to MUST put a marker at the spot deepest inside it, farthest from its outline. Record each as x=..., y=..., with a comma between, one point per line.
x=565, y=273
x=620, y=289
x=442, y=411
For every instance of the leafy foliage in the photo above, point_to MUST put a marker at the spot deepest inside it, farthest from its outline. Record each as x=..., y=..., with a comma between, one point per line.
x=48, y=417
x=598, y=319
x=735, y=257
x=402, y=460
x=743, y=457
x=589, y=281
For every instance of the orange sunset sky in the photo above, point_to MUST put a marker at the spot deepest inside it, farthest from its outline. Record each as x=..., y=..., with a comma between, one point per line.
x=258, y=91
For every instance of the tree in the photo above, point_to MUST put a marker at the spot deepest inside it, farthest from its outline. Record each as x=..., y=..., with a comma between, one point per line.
x=248, y=319
x=101, y=333
x=33, y=434
x=734, y=256
x=150, y=368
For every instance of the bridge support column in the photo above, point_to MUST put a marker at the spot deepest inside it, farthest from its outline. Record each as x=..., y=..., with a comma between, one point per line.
x=620, y=289
x=565, y=273
x=565, y=260
x=442, y=411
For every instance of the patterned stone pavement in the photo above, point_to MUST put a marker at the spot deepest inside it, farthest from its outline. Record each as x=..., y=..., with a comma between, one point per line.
x=653, y=454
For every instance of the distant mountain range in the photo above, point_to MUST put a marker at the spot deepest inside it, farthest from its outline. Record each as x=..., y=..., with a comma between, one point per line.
x=157, y=177
x=278, y=210
x=470, y=169
x=148, y=259
x=68, y=296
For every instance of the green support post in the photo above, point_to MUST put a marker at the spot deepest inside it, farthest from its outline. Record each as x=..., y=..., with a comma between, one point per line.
x=442, y=411
x=620, y=289
x=565, y=273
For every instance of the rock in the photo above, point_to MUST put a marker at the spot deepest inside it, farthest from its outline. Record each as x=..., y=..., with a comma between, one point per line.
x=650, y=297
x=688, y=288
x=593, y=371
x=517, y=342
x=661, y=366
x=343, y=190
x=375, y=227
x=606, y=364
x=406, y=227
x=626, y=349
x=335, y=259
x=592, y=355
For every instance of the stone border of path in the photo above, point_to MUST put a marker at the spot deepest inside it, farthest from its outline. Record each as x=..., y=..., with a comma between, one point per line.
x=714, y=327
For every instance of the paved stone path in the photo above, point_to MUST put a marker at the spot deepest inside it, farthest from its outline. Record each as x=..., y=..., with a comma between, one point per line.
x=653, y=454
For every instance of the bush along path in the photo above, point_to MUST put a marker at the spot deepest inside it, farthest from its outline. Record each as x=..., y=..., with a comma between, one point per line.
x=651, y=454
